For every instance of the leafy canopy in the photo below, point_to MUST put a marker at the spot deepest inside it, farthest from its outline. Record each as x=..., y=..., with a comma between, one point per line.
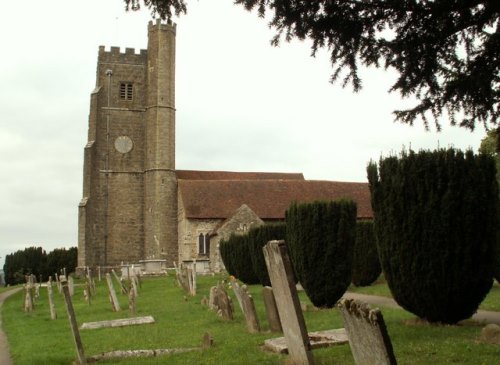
x=446, y=52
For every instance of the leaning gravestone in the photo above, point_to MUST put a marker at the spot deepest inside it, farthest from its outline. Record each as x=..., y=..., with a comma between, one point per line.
x=287, y=300
x=368, y=338
x=224, y=304
x=247, y=306
x=112, y=294
x=272, y=315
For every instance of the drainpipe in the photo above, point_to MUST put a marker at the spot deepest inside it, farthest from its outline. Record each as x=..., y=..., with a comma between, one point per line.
x=109, y=73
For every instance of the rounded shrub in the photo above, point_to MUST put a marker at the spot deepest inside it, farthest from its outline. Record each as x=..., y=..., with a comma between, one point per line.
x=435, y=222
x=235, y=255
x=320, y=240
x=365, y=262
x=257, y=238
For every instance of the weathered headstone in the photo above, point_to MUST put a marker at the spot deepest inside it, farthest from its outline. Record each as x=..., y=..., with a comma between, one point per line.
x=123, y=322
x=207, y=342
x=112, y=294
x=71, y=286
x=212, y=299
x=368, y=337
x=72, y=321
x=224, y=304
x=131, y=301
x=287, y=300
x=29, y=305
x=247, y=306
x=123, y=289
x=53, y=314
x=272, y=315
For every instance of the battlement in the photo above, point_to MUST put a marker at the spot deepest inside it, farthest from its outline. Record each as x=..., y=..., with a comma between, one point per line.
x=116, y=55
x=169, y=25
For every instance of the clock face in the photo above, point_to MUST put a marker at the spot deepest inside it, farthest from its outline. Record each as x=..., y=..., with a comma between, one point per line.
x=124, y=144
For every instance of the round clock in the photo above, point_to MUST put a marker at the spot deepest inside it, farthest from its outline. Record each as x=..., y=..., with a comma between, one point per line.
x=124, y=144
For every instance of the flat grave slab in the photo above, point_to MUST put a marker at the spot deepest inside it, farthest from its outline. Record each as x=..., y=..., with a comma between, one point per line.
x=318, y=339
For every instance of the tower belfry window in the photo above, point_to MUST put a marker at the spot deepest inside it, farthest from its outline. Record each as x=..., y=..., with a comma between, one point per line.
x=126, y=91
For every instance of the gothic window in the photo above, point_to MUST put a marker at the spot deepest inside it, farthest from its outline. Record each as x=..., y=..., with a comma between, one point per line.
x=204, y=244
x=126, y=90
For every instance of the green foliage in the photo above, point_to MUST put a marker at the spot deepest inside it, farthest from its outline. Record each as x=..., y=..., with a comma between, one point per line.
x=235, y=254
x=435, y=221
x=320, y=239
x=34, y=260
x=365, y=263
x=257, y=238
x=447, y=53
x=489, y=146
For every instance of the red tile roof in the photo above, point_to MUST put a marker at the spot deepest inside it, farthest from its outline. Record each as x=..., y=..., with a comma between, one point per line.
x=230, y=175
x=269, y=199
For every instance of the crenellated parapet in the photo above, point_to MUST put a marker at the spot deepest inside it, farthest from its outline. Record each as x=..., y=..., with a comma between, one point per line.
x=169, y=25
x=117, y=56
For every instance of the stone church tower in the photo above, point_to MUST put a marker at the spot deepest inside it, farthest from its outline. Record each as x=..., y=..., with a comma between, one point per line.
x=129, y=207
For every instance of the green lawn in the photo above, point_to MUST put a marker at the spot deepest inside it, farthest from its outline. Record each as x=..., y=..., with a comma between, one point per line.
x=181, y=322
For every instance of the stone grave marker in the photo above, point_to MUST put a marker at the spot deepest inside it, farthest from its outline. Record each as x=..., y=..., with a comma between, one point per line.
x=287, y=300
x=72, y=321
x=247, y=306
x=272, y=315
x=112, y=294
x=52, y=307
x=71, y=286
x=368, y=337
x=212, y=299
x=224, y=305
x=123, y=289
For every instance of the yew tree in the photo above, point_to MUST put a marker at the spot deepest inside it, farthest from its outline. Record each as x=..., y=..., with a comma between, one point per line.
x=446, y=52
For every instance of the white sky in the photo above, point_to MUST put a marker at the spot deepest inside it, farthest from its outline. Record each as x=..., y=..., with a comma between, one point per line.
x=242, y=105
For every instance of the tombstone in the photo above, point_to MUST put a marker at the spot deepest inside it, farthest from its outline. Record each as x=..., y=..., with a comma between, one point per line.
x=72, y=321
x=368, y=337
x=71, y=286
x=131, y=301
x=224, y=305
x=112, y=294
x=287, y=300
x=212, y=299
x=99, y=273
x=133, y=282
x=272, y=315
x=53, y=314
x=29, y=305
x=123, y=289
x=247, y=306
x=207, y=341
x=58, y=282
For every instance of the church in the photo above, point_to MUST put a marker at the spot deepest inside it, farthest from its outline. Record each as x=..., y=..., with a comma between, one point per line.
x=136, y=205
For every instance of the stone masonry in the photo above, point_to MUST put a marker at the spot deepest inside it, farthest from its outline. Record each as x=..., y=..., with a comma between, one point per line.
x=129, y=207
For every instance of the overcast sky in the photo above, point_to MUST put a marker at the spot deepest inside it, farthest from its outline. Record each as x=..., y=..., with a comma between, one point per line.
x=242, y=105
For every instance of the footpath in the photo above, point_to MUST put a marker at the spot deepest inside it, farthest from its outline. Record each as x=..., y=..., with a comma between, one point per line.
x=481, y=316
x=4, y=345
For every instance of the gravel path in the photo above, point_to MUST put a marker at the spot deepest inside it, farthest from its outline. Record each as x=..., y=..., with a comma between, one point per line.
x=4, y=345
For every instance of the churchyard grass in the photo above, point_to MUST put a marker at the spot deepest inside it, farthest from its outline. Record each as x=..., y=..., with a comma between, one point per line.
x=182, y=320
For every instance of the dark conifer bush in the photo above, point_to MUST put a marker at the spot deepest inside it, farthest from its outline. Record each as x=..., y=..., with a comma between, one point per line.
x=235, y=254
x=320, y=240
x=435, y=221
x=257, y=238
x=365, y=263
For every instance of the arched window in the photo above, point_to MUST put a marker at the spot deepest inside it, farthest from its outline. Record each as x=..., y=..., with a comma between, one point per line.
x=204, y=244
